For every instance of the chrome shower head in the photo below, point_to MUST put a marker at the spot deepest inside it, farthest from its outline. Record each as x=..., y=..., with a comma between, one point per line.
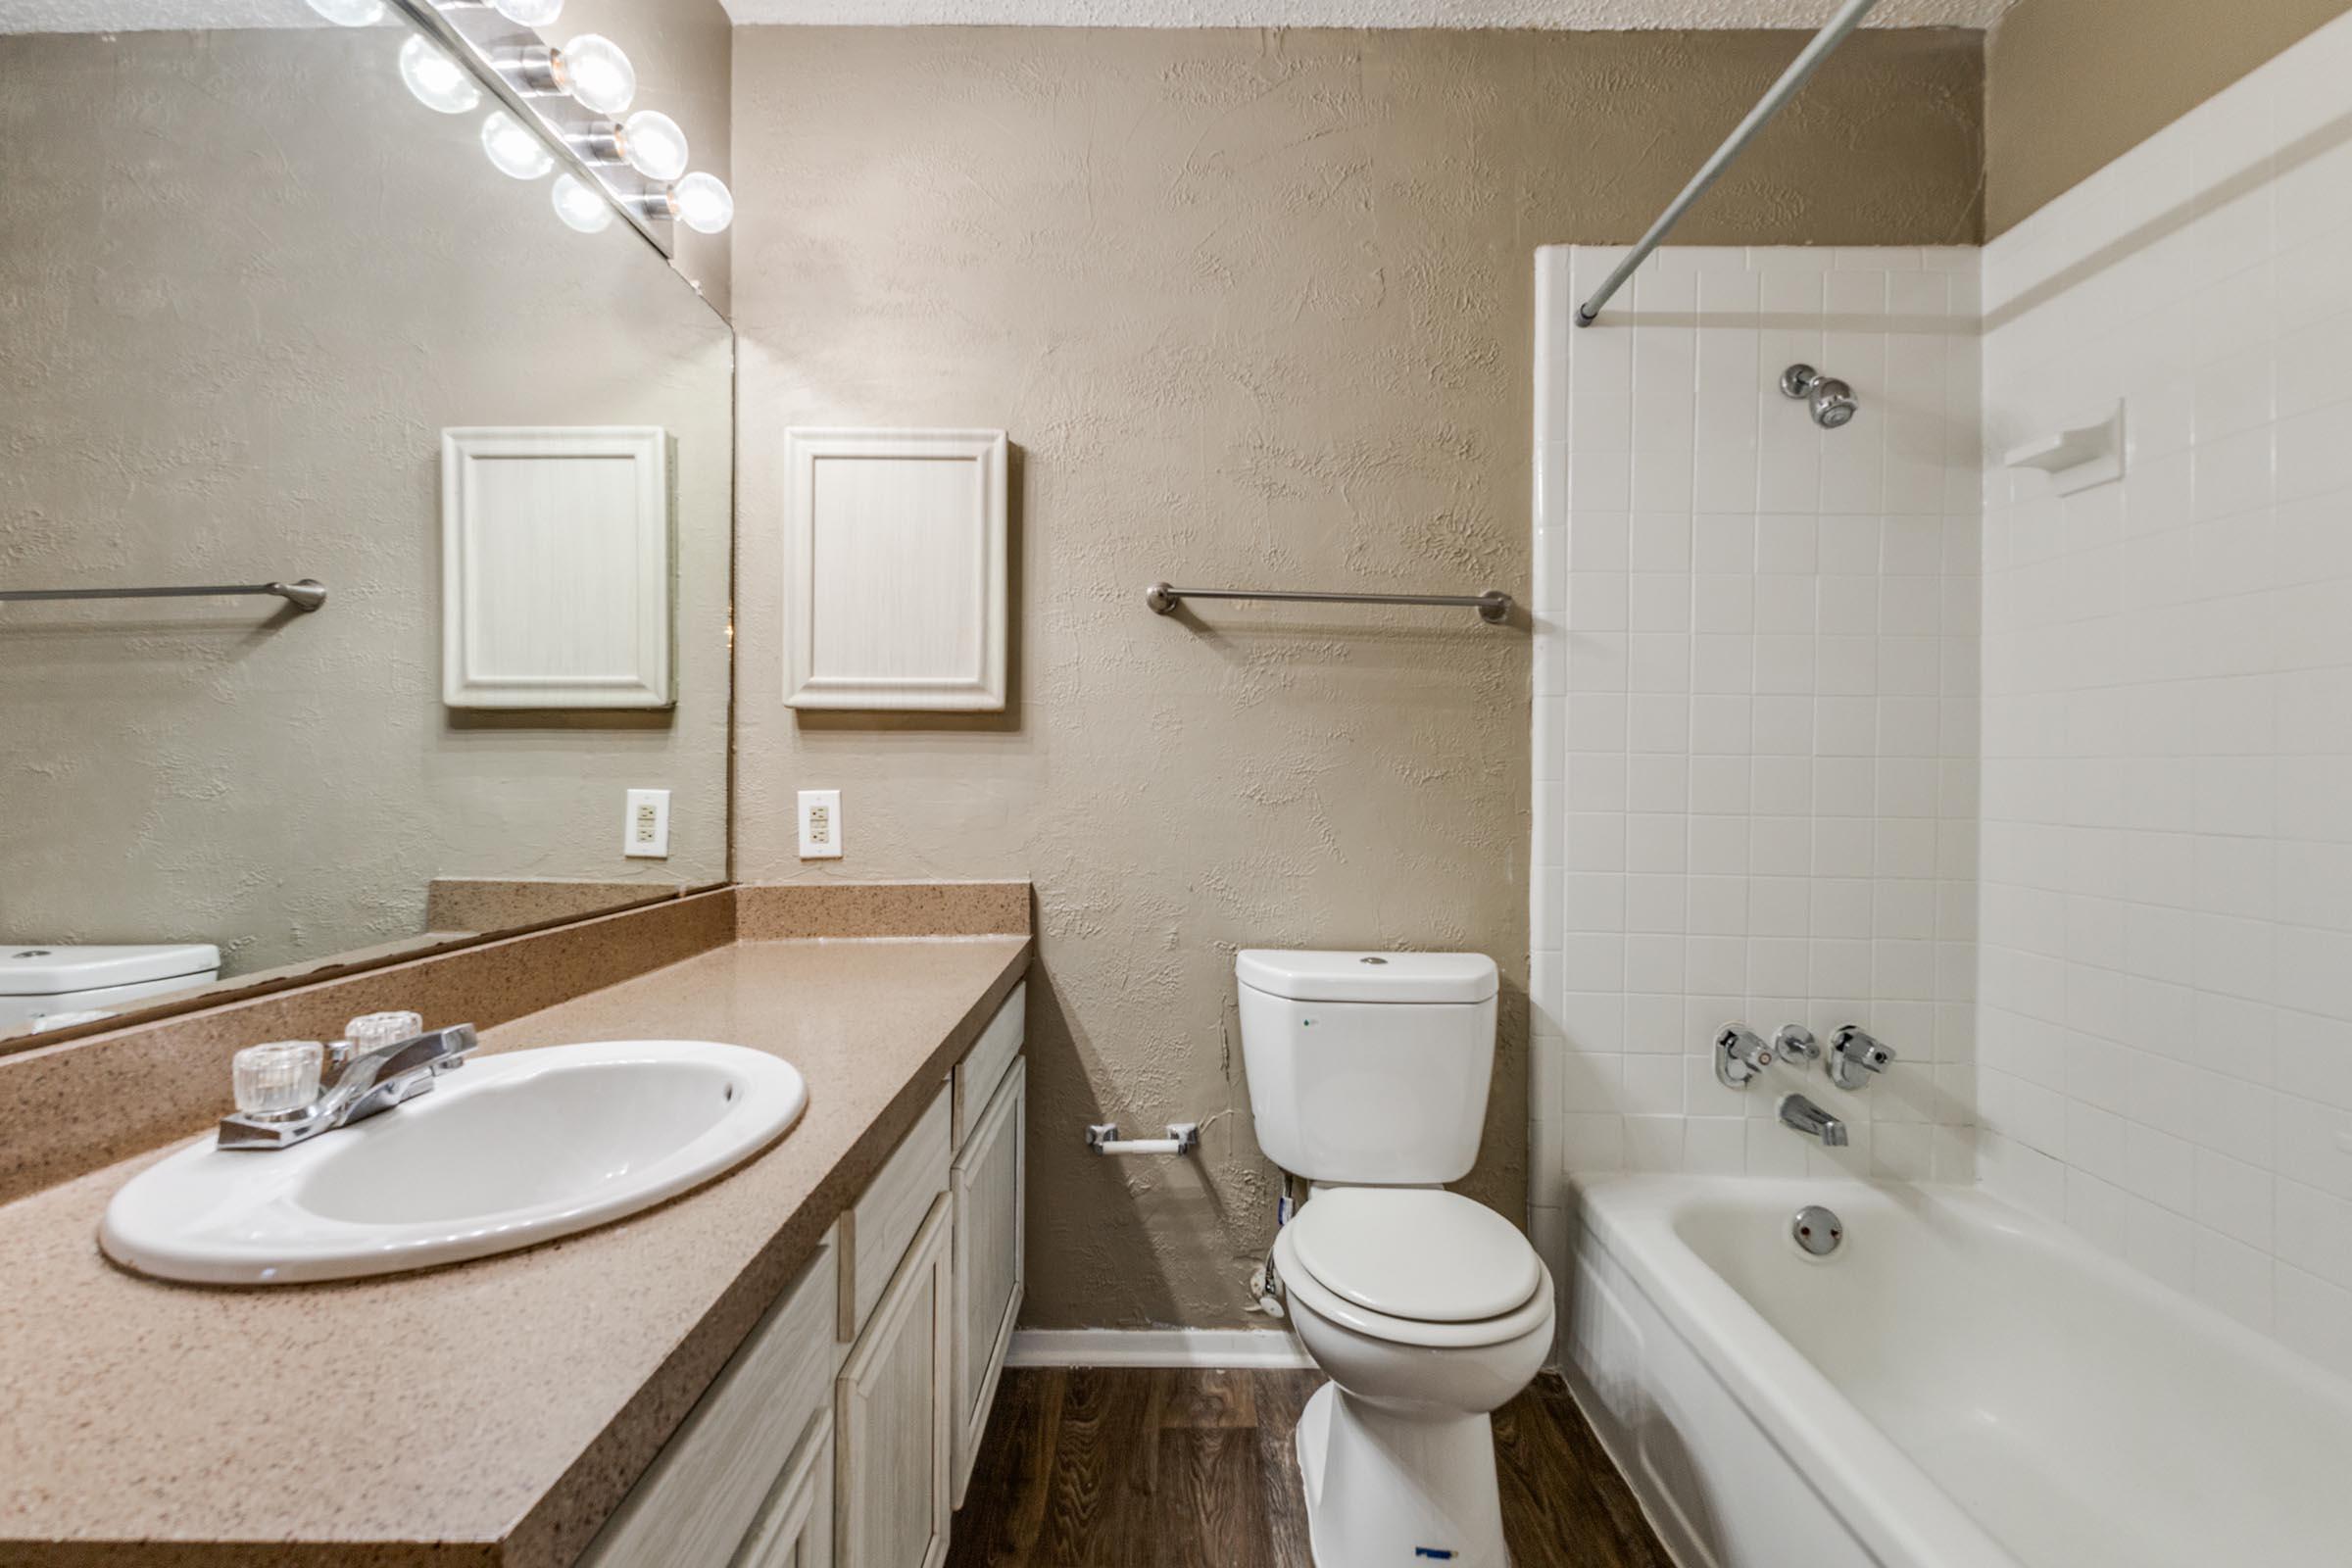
x=1833, y=401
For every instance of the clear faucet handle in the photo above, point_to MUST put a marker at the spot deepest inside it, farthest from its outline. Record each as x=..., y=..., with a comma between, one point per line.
x=371, y=1031
x=277, y=1079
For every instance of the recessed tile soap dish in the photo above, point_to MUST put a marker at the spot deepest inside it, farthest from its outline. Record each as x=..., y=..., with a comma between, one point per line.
x=2076, y=456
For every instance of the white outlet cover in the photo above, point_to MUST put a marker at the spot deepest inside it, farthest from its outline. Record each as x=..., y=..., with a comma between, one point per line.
x=820, y=824
x=644, y=826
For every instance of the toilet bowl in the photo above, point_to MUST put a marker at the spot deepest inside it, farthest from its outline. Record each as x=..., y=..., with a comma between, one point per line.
x=1427, y=1311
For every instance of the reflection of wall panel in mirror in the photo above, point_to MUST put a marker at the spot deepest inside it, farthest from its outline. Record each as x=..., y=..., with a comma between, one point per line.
x=895, y=570
x=250, y=280
x=556, y=567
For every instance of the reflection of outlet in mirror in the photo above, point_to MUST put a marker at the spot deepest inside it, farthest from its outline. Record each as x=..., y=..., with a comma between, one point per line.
x=820, y=824
x=645, y=834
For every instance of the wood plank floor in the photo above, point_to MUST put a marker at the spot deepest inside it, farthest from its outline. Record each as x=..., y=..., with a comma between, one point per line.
x=1086, y=1468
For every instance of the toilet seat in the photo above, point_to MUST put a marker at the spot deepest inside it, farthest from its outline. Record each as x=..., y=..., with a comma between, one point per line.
x=1415, y=1266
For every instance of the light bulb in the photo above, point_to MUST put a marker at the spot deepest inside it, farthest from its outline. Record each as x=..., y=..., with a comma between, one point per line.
x=704, y=202
x=528, y=13
x=593, y=70
x=350, y=13
x=515, y=150
x=580, y=206
x=653, y=145
x=438, y=81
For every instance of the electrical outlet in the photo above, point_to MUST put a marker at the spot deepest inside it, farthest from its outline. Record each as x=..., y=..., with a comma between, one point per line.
x=645, y=832
x=820, y=824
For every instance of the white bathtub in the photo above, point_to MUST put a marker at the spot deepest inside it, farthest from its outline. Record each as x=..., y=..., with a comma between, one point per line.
x=1958, y=1384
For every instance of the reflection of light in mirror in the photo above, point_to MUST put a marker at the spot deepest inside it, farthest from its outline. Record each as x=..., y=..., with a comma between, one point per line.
x=704, y=202
x=580, y=206
x=653, y=145
x=594, y=70
x=530, y=13
x=350, y=13
x=438, y=81
x=514, y=149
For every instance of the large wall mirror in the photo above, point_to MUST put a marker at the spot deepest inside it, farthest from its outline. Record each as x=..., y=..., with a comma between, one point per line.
x=261, y=294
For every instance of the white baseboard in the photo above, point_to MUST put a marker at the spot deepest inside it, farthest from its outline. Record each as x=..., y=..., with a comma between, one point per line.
x=1200, y=1347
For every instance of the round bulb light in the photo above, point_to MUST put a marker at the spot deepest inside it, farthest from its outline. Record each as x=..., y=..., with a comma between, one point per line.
x=593, y=70
x=528, y=13
x=653, y=145
x=513, y=148
x=350, y=13
x=580, y=206
x=702, y=203
x=437, y=81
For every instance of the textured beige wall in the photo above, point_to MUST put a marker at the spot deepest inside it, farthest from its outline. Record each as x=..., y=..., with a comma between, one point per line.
x=247, y=282
x=1256, y=310
x=2071, y=85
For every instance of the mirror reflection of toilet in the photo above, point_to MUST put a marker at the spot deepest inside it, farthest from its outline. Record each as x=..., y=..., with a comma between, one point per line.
x=44, y=986
x=1368, y=1077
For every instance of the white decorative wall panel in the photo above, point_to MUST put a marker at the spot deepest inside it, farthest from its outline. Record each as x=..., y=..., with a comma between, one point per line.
x=556, y=567
x=896, y=570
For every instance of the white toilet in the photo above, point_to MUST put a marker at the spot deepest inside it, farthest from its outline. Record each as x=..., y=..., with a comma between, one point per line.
x=48, y=986
x=1368, y=1076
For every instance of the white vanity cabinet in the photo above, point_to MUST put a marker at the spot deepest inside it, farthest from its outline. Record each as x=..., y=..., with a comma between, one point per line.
x=990, y=1187
x=842, y=1434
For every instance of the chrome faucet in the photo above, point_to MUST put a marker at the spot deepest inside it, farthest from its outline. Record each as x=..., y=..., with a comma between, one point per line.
x=1855, y=1057
x=1810, y=1119
x=1739, y=1056
x=389, y=1059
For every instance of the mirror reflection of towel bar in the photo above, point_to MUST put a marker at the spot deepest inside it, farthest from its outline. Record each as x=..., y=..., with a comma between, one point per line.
x=307, y=595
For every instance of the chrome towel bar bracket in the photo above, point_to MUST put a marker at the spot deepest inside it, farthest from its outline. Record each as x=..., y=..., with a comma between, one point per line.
x=1494, y=607
x=307, y=595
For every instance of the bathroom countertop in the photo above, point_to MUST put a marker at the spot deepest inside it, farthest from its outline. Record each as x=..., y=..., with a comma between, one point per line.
x=490, y=1413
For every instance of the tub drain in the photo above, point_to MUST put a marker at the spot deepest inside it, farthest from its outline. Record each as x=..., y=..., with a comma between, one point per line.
x=1817, y=1230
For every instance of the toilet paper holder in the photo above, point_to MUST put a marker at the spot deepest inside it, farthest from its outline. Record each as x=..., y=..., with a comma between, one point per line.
x=1184, y=1136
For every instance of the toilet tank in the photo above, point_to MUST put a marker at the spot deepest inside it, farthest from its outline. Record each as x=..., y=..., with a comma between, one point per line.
x=1368, y=1068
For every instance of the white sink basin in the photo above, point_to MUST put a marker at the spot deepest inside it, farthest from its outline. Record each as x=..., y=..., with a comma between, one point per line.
x=506, y=1151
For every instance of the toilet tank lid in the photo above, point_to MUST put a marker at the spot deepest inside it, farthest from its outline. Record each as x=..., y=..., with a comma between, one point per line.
x=38, y=969
x=1359, y=976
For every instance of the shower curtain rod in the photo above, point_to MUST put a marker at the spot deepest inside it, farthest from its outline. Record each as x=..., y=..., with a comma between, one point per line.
x=1794, y=78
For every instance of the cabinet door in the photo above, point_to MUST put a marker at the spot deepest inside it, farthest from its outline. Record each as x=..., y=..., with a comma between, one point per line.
x=990, y=1183
x=795, y=1527
x=892, y=1414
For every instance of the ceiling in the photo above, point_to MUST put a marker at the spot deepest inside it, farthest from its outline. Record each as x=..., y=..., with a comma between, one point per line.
x=1605, y=15
x=135, y=15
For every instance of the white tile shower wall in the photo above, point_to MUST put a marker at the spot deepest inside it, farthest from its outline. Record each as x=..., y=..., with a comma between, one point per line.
x=1755, y=736
x=2166, y=1029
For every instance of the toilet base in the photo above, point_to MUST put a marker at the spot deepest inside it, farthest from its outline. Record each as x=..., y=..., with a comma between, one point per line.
x=1388, y=1489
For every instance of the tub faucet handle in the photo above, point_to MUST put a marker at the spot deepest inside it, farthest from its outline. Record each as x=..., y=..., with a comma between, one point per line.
x=1739, y=1056
x=1794, y=1044
x=1855, y=1057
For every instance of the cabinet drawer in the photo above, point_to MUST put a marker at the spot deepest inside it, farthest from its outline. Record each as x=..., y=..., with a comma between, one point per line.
x=983, y=1066
x=704, y=1492
x=891, y=1210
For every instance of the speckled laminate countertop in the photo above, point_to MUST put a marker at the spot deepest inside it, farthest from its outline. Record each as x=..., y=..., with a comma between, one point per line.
x=489, y=1413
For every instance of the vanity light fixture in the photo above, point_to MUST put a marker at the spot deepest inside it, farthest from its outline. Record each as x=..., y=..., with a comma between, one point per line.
x=648, y=142
x=528, y=13
x=437, y=81
x=513, y=148
x=702, y=203
x=580, y=205
x=592, y=69
x=350, y=13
